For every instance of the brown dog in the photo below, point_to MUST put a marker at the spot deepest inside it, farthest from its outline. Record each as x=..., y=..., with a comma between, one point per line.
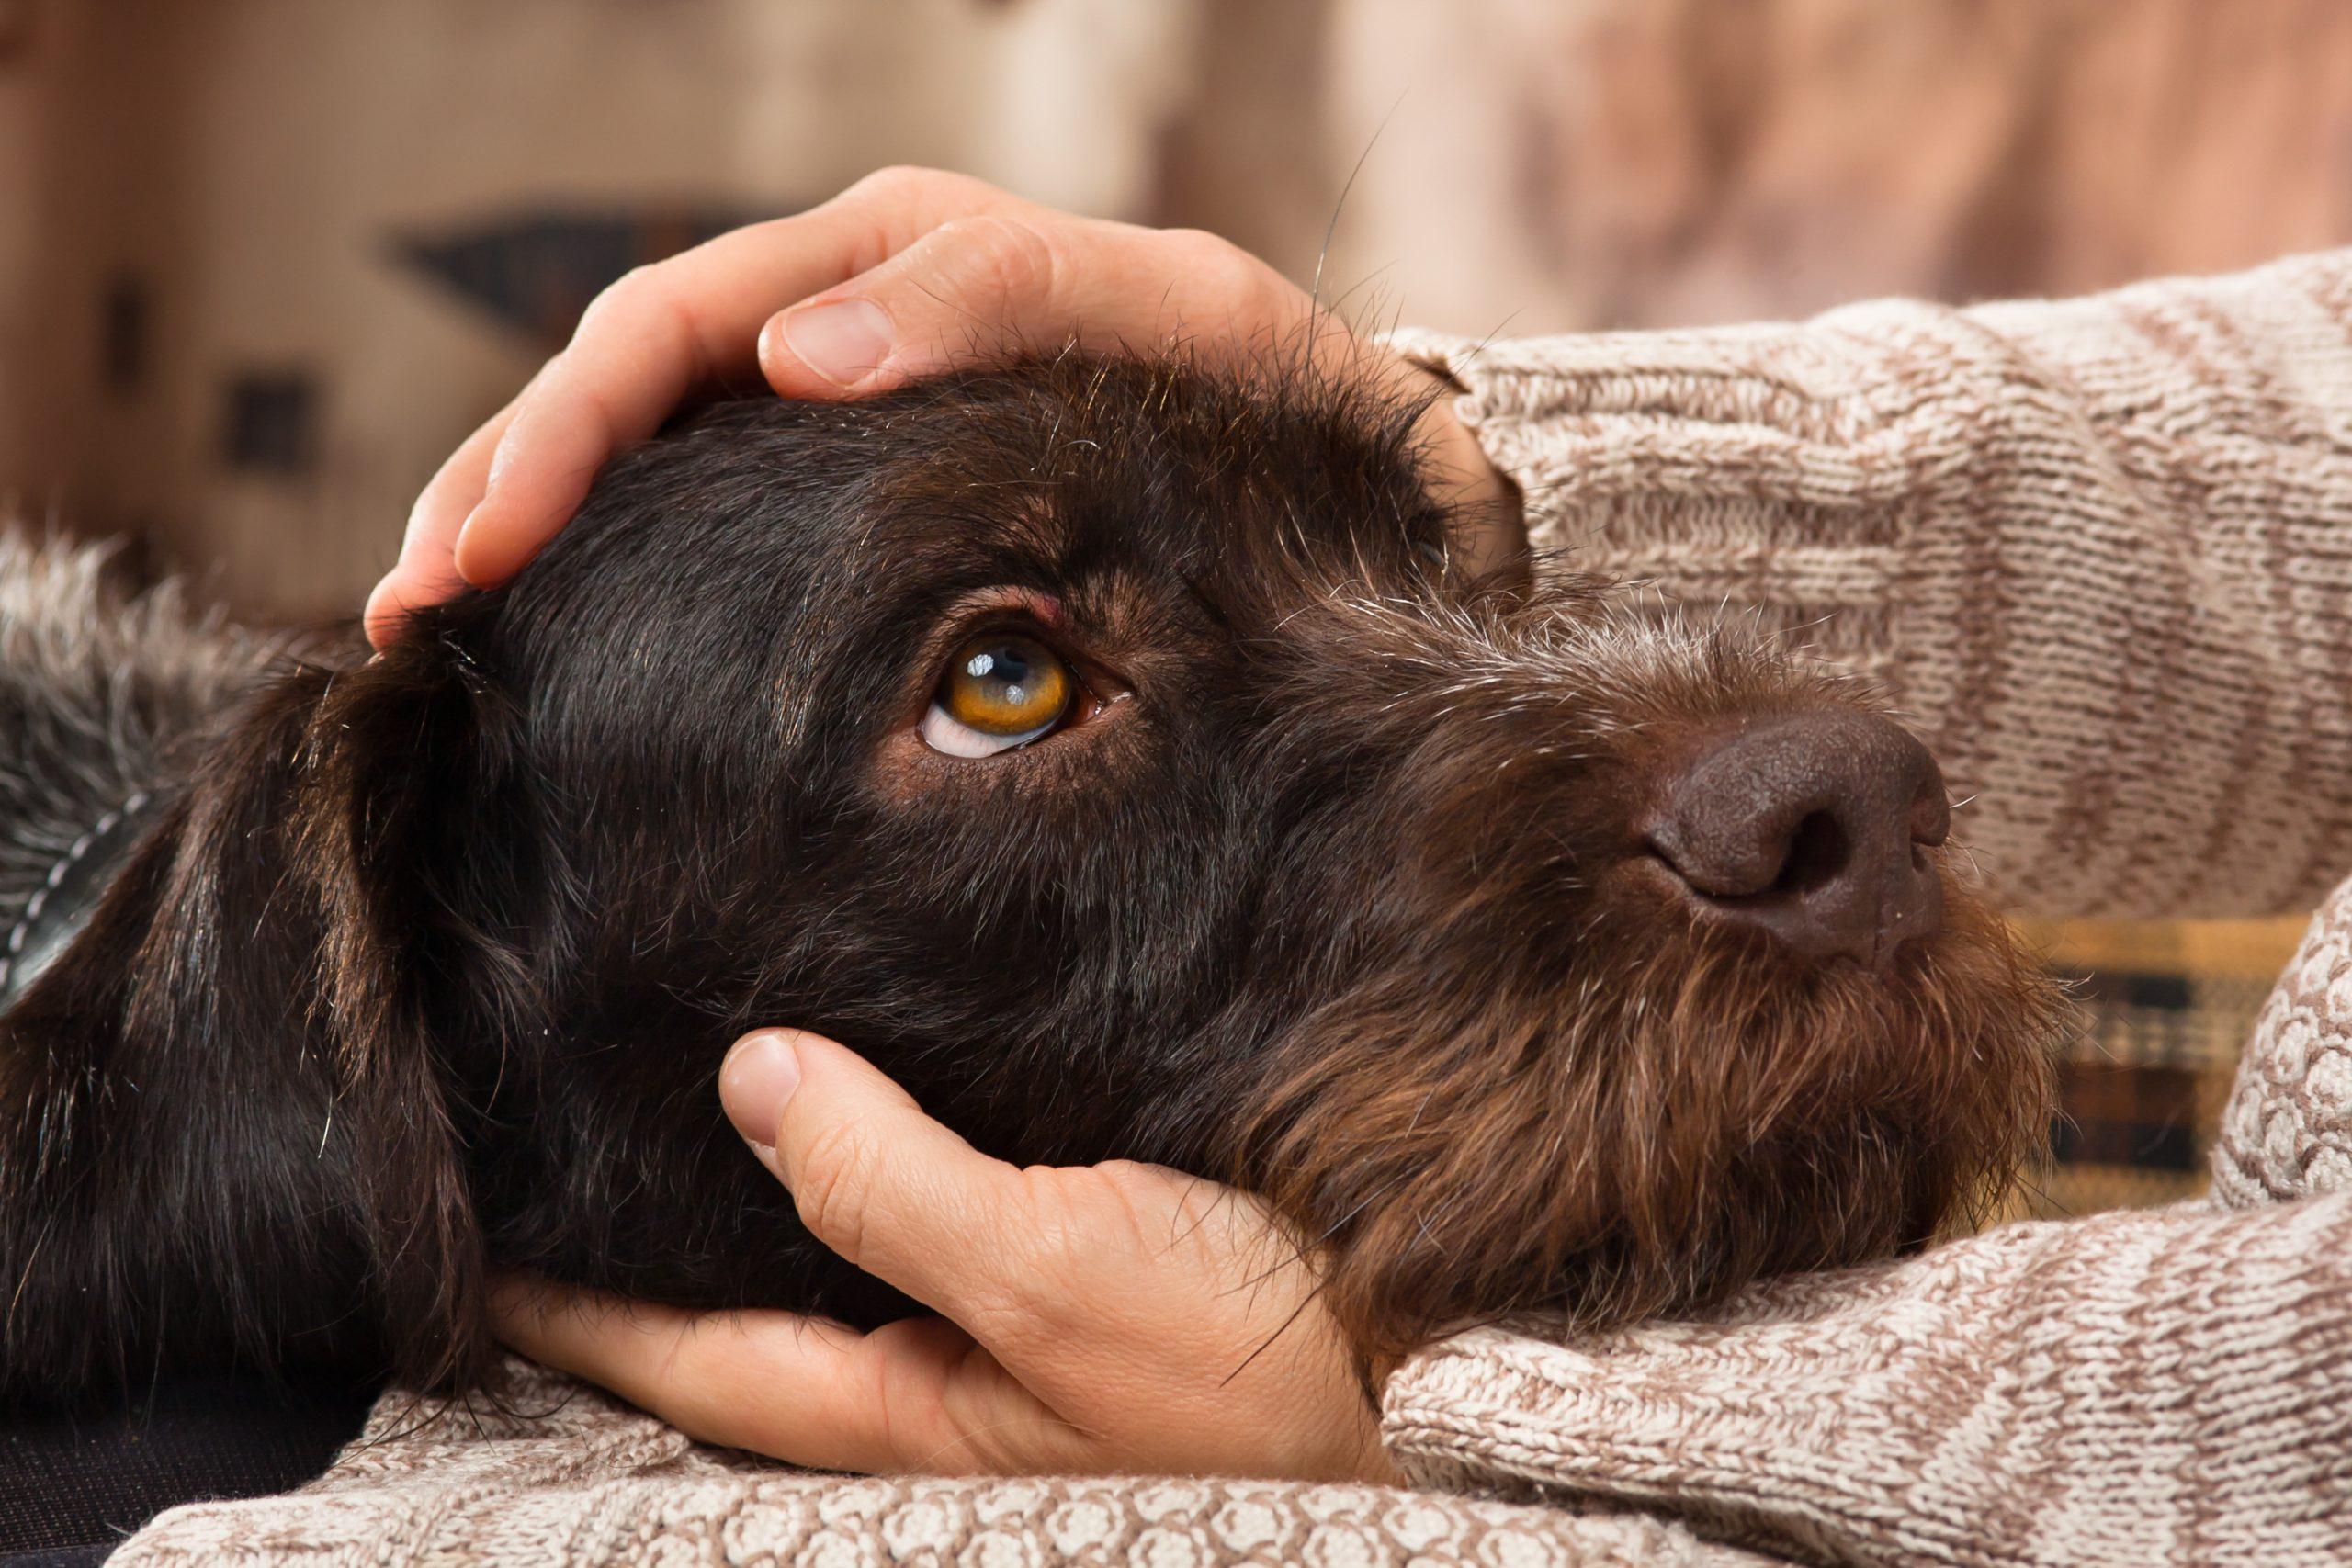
x=1110, y=752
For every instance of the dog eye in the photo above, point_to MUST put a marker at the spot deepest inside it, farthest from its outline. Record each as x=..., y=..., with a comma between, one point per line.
x=1001, y=689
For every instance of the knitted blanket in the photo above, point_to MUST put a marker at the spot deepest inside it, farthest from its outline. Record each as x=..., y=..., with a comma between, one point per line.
x=583, y=1479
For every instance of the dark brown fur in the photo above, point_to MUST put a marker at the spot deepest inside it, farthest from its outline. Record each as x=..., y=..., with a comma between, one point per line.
x=429, y=962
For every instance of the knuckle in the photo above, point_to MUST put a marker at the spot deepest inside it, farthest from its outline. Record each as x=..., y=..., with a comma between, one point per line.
x=893, y=177
x=1133, y=1184
x=899, y=1405
x=1142, y=1204
x=1225, y=266
x=619, y=297
x=998, y=257
x=832, y=1191
x=921, y=1415
x=1151, y=1212
x=1197, y=242
x=1062, y=1227
x=912, y=182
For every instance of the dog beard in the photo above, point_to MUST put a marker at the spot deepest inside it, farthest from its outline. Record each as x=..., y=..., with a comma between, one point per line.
x=1669, y=1122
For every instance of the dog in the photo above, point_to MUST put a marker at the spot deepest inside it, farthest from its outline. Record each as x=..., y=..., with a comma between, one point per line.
x=1114, y=751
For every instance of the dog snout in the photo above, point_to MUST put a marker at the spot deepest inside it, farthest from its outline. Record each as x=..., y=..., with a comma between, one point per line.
x=1810, y=828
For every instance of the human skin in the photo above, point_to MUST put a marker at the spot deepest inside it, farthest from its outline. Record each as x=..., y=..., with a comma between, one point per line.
x=1119, y=1317
x=907, y=273
x=1108, y=1318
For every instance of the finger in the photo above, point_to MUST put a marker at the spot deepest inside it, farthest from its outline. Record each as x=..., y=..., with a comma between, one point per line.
x=985, y=287
x=882, y=1184
x=665, y=328
x=423, y=574
x=917, y=1395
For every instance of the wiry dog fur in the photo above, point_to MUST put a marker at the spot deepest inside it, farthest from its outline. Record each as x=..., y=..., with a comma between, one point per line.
x=426, y=964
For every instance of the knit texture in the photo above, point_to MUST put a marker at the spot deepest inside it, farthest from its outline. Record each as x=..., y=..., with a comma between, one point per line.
x=2135, y=1388
x=578, y=1478
x=2288, y=1130
x=2097, y=551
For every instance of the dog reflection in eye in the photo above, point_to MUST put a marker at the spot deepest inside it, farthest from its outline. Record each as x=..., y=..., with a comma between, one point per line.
x=1108, y=751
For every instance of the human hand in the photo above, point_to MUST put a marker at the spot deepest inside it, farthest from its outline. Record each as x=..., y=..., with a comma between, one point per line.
x=1108, y=1318
x=907, y=273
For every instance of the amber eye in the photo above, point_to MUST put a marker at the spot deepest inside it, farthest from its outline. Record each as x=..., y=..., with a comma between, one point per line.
x=1001, y=689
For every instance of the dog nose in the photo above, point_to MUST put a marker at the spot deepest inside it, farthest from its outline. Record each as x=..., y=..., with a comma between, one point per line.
x=1810, y=828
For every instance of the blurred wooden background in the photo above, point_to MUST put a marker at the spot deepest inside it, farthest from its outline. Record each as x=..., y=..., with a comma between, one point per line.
x=263, y=262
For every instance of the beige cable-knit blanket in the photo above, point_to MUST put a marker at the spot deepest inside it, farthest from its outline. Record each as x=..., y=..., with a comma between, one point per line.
x=2101, y=552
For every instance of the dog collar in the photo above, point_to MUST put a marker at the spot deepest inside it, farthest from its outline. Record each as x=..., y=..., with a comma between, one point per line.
x=60, y=906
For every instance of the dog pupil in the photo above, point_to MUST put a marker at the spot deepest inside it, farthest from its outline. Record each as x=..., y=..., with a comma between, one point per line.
x=1004, y=664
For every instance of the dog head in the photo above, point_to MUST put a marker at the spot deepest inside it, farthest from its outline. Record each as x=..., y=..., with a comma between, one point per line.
x=1111, y=752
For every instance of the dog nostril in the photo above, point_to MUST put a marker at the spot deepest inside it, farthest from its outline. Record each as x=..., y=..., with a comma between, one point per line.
x=1810, y=829
x=1817, y=854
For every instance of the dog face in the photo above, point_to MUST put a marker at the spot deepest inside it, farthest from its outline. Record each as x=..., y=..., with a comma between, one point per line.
x=1110, y=752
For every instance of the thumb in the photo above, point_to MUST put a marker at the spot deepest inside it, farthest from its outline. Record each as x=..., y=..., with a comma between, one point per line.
x=971, y=287
x=888, y=1189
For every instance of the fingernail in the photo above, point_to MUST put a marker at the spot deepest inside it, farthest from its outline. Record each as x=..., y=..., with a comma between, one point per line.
x=843, y=342
x=757, y=1082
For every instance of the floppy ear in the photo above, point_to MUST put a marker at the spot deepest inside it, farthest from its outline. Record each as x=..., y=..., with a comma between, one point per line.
x=239, y=1134
x=386, y=761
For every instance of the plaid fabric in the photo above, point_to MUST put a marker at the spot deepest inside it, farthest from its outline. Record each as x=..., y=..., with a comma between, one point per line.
x=2165, y=1009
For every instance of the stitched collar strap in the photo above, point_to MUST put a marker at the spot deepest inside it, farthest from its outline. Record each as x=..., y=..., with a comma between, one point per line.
x=60, y=906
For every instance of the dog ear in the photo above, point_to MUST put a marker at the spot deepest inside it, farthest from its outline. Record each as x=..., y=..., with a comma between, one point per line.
x=385, y=762
x=248, y=1119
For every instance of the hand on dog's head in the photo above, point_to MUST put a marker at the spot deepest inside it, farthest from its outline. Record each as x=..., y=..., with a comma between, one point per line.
x=1108, y=752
